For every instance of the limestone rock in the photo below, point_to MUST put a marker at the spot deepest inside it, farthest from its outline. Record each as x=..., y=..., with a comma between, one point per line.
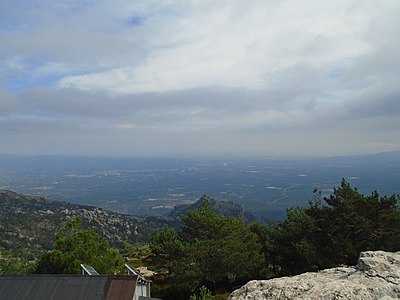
x=376, y=276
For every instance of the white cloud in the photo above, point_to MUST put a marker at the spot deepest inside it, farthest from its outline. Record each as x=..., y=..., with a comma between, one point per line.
x=237, y=45
x=179, y=44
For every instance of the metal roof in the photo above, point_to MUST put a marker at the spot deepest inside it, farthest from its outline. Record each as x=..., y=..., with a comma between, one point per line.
x=67, y=287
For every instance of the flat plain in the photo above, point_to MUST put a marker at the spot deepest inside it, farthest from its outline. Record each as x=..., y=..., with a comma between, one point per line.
x=153, y=186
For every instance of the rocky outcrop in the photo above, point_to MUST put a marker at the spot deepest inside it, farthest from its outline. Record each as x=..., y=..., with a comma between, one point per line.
x=222, y=208
x=376, y=276
x=28, y=223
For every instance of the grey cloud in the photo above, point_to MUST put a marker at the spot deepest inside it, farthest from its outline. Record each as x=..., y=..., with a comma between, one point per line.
x=211, y=103
x=374, y=104
x=8, y=104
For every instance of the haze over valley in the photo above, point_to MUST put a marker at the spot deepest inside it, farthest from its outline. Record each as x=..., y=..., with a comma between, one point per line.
x=153, y=186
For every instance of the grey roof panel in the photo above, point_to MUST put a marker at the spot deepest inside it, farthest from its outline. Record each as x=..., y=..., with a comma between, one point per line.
x=65, y=287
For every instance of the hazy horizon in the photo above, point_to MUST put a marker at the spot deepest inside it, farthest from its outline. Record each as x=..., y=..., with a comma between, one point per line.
x=153, y=186
x=201, y=156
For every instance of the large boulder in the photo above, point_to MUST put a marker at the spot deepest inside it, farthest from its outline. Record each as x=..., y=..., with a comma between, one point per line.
x=376, y=276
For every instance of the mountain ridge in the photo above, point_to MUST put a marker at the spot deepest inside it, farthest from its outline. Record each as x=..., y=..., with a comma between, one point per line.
x=223, y=208
x=28, y=223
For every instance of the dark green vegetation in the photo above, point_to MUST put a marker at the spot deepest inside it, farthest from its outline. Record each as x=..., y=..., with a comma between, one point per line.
x=12, y=264
x=75, y=245
x=221, y=252
x=334, y=232
x=209, y=250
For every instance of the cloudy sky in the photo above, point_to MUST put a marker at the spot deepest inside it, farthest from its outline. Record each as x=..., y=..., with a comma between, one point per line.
x=263, y=78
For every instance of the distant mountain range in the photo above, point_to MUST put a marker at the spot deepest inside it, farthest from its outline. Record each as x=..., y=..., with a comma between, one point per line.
x=28, y=224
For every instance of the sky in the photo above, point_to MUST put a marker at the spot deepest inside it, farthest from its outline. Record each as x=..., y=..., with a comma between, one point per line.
x=246, y=78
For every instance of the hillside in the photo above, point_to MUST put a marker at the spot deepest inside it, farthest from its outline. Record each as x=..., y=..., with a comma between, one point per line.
x=28, y=223
x=222, y=208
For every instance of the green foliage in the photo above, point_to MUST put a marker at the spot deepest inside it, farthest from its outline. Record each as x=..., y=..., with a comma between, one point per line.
x=11, y=264
x=219, y=248
x=76, y=245
x=353, y=223
x=135, y=250
x=334, y=233
x=208, y=249
x=266, y=270
x=167, y=248
x=204, y=294
x=289, y=248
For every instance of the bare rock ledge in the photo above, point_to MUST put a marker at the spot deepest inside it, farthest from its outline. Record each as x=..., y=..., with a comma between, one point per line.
x=376, y=276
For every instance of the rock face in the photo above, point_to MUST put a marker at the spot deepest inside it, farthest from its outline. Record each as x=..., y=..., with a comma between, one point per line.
x=376, y=276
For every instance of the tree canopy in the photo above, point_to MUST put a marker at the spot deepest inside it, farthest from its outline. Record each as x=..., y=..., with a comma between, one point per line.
x=218, y=251
x=208, y=249
x=75, y=245
x=334, y=232
x=12, y=264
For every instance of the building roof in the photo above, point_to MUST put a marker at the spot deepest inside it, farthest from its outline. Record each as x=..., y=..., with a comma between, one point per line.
x=67, y=287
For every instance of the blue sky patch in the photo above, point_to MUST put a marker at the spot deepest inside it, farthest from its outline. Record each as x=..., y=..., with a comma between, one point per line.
x=136, y=21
